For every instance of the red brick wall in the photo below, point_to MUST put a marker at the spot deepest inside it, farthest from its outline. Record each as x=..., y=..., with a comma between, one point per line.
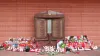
x=17, y=19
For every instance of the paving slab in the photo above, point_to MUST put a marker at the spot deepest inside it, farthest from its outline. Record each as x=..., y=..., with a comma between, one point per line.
x=82, y=53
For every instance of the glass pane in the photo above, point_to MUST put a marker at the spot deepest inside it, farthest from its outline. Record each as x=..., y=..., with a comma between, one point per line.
x=49, y=26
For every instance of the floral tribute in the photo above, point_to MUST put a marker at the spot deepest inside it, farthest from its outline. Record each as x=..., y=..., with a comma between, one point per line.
x=79, y=43
x=69, y=44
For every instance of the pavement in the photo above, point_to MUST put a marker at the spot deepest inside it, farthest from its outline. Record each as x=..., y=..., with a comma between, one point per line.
x=82, y=53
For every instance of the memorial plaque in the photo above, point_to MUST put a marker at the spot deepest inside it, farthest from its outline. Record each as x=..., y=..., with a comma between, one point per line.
x=57, y=31
x=49, y=25
x=41, y=28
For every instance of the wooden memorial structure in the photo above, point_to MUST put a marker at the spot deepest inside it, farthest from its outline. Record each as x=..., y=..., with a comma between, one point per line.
x=49, y=25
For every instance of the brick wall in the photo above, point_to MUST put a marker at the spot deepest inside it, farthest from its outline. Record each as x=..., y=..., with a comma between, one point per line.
x=17, y=19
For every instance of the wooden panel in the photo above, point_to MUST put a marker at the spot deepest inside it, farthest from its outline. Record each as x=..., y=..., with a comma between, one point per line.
x=57, y=29
x=41, y=28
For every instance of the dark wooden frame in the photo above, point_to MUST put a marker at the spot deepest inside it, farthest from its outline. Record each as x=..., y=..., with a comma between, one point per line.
x=47, y=16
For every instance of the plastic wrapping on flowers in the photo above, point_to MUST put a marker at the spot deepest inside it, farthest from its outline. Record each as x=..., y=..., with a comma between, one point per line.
x=71, y=43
